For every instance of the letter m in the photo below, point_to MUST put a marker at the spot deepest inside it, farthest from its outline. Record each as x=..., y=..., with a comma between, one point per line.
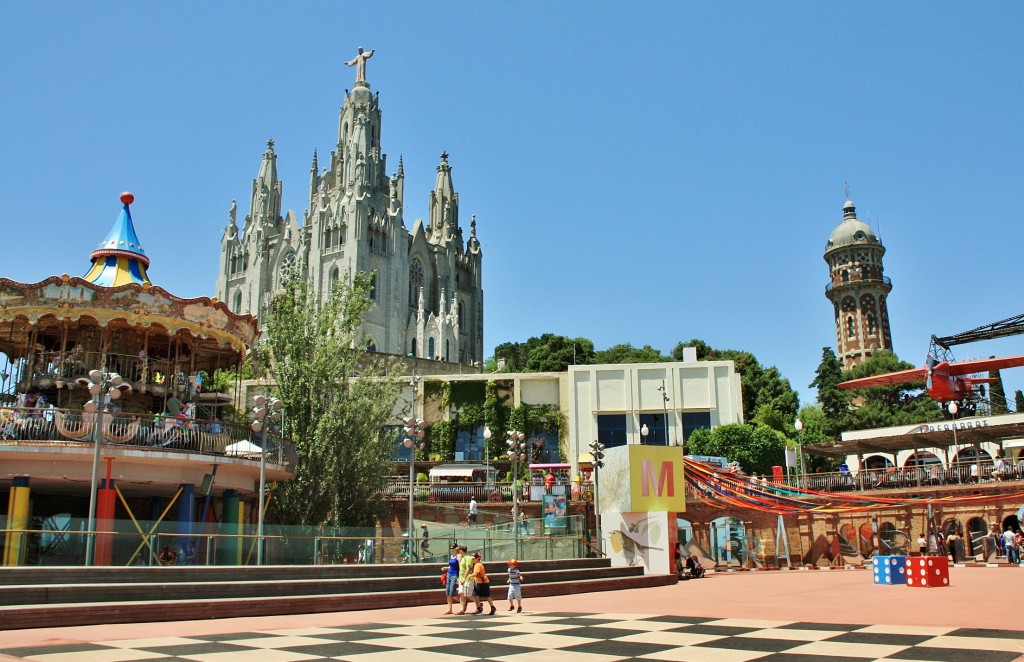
x=665, y=481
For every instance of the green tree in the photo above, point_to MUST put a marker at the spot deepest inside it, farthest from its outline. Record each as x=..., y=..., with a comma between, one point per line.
x=1018, y=401
x=834, y=401
x=757, y=448
x=885, y=406
x=548, y=353
x=626, y=353
x=337, y=401
x=997, y=393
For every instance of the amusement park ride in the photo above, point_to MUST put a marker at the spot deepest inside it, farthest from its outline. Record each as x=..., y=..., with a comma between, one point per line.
x=947, y=380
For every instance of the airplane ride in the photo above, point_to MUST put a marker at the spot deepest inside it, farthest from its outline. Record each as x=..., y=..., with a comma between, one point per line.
x=944, y=380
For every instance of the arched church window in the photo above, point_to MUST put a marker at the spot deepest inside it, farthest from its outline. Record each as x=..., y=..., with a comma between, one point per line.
x=846, y=276
x=415, y=282
x=462, y=314
x=412, y=351
x=849, y=327
x=431, y=348
x=871, y=325
x=236, y=303
x=863, y=273
x=447, y=350
x=332, y=279
x=287, y=267
x=373, y=286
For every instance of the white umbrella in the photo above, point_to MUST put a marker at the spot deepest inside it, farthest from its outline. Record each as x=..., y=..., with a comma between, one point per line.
x=243, y=449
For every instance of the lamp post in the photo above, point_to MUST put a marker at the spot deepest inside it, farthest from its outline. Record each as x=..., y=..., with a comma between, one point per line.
x=953, y=409
x=800, y=466
x=516, y=443
x=664, y=404
x=104, y=387
x=413, y=439
x=597, y=453
x=265, y=406
x=487, y=458
x=644, y=431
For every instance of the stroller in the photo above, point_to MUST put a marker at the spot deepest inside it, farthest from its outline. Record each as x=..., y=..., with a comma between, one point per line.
x=692, y=569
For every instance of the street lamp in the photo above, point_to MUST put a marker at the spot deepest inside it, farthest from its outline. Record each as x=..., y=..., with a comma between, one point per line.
x=413, y=439
x=800, y=466
x=487, y=458
x=664, y=404
x=266, y=406
x=597, y=453
x=516, y=443
x=953, y=409
x=104, y=387
x=644, y=431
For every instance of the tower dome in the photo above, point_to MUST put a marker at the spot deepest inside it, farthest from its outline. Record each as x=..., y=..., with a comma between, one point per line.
x=857, y=289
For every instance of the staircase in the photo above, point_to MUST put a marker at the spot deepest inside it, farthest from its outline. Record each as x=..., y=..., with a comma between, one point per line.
x=47, y=596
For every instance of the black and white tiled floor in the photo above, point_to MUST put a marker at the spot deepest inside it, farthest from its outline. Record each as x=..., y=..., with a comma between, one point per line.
x=543, y=636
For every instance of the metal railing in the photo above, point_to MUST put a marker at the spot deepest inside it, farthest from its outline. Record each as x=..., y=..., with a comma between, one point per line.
x=142, y=431
x=218, y=545
x=397, y=487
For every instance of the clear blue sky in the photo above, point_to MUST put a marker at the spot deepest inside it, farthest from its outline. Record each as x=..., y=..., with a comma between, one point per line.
x=641, y=172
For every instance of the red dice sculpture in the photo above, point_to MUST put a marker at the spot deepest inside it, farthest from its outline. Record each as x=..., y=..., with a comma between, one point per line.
x=927, y=571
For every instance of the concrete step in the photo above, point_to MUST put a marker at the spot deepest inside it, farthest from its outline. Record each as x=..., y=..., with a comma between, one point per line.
x=92, y=613
x=31, y=594
x=52, y=575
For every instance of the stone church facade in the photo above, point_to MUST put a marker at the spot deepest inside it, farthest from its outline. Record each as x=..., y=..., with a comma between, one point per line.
x=428, y=299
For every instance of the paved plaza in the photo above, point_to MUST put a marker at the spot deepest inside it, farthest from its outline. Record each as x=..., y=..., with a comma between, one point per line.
x=776, y=616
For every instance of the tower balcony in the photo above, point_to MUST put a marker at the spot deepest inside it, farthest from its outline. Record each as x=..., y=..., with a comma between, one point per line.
x=851, y=283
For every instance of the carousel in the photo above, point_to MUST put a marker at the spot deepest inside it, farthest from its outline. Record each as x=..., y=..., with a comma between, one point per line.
x=109, y=366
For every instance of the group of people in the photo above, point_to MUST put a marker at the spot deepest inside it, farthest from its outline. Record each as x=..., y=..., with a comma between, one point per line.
x=465, y=579
x=687, y=566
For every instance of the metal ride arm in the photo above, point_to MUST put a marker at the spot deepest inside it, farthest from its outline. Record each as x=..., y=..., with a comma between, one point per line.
x=1010, y=326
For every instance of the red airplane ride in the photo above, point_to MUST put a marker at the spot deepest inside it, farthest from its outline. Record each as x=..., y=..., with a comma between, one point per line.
x=944, y=380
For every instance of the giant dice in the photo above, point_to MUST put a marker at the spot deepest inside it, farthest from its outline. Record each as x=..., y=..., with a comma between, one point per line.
x=927, y=571
x=889, y=569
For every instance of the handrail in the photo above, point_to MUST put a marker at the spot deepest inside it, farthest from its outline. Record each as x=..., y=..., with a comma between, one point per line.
x=139, y=431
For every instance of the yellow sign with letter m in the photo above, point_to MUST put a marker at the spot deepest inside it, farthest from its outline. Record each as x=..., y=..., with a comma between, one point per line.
x=656, y=481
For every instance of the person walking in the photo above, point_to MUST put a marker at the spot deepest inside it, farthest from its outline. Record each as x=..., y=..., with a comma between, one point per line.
x=1010, y=546
x=482, y=585
x=465, y=568
x=473, y=511
x=515, y=585
x=425, y=543
x=451, y=585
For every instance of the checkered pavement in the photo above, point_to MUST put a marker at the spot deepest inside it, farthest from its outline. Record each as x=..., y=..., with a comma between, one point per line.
x=543, y=636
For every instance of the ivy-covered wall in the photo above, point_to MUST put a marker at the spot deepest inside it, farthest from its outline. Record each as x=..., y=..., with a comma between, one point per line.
x=470, y=405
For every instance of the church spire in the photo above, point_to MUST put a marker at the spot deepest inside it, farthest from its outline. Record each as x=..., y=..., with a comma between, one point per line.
x=119, y=259
x=265, y=206
x=444, y=202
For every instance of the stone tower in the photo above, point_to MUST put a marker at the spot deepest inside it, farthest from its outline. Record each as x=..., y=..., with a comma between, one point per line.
x=858, y=289
x=428, y=299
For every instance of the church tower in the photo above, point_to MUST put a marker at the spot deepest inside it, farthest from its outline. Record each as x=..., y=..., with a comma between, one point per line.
x=426, y=289
x=858, y=289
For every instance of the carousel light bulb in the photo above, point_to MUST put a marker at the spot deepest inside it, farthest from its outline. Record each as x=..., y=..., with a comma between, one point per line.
x=95, y=389
x=95, y=375
x=114, y=393
x=260, y=400
x=257, y=426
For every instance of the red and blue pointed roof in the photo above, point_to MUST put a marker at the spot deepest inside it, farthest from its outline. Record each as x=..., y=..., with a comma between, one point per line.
x=120, y=259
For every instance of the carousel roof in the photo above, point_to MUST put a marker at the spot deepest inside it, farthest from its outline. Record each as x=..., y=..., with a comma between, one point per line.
x=117, y=291
x=120, y=259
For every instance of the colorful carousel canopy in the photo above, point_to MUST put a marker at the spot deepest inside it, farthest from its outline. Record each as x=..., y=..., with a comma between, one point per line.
x=120, y=259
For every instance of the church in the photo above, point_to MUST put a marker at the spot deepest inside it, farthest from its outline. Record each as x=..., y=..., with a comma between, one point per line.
x=426, y=288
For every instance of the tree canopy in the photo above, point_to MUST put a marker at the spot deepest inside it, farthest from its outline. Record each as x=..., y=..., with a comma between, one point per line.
x=757, y=448
x=337, y=401
x=548, y=353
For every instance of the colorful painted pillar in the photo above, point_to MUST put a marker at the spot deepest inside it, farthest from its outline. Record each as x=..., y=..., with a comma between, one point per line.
x=18, y=508
x=106, y=505
x=229, y=549
x=184, y=526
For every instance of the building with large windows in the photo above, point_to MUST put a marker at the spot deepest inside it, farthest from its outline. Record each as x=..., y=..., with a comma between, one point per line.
x=427, y=277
